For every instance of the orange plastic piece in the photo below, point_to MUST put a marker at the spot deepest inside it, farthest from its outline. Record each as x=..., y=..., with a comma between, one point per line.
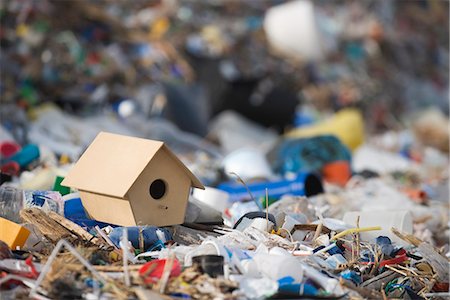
x=417, y=195
x=337, y=172
x=13, y=234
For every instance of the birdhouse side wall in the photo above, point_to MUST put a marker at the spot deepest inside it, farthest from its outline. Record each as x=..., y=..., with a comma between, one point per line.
x=171, y=207
x=108, y=209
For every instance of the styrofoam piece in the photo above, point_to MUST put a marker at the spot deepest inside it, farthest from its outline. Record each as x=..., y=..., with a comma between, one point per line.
x=256, y=288
x=248, y=163
x=291, y=29
x=290, y=220
x=278, y=266
x=279, y=251
x=400, y=219
x=214, y=198
x=235, y=132
x=258, y=223
x=368, y=157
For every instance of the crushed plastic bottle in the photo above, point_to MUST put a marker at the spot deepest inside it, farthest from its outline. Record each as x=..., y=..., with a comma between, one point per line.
x=11, y=202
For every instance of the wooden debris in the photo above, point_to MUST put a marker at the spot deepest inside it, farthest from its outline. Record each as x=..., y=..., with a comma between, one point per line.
x=365, y=292
x=376, y=282
x=311, y=227
x=188, y=236
x=55, y=227
x=145, y=294
x=76, y=229
x=439, y=263
x=49, y=228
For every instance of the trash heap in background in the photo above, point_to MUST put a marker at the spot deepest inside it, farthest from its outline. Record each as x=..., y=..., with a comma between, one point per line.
x=325, y=169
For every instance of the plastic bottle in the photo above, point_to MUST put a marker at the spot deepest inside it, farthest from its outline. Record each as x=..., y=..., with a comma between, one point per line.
x=11, y=202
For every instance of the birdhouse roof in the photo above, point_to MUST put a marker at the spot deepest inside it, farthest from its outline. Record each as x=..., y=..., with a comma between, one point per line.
x=112, y=163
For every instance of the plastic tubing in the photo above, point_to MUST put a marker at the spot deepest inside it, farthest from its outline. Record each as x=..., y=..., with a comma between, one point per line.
x=353, y=230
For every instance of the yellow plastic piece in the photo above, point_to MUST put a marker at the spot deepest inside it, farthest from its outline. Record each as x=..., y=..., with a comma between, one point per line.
x=13, y=234
x=64, y=159
x=22, y=30
x=159, y=28
x=346, y=124
x=354, y=230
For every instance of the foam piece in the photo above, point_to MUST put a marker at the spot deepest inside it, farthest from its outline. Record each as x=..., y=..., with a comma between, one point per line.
x=291, y=29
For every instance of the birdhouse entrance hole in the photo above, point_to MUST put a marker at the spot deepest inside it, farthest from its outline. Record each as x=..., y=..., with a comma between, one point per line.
x=157, y=189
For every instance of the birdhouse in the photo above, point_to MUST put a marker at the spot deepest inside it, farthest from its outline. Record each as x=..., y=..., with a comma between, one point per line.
x=132, y=181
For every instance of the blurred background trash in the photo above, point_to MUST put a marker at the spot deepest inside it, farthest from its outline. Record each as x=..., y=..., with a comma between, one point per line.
x=319, y=128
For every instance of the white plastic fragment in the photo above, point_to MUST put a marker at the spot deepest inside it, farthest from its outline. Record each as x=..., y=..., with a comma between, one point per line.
x=124, y=245
x=255, y=288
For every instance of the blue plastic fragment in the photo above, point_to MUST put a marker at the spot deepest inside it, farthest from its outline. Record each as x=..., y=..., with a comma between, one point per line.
x=180, y=296
x=149, y=234
x=386, y=245
x=90, y=282
x=287, y=285
x=309, y=154
x=335, y=250
x=319, y=248
x=351, y=276
x=367, y=256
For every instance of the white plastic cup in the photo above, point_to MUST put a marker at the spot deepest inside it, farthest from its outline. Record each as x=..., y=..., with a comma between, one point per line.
x=207, y=247
x=400, y=219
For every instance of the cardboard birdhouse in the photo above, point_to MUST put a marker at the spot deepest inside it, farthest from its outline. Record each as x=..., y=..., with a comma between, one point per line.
x=132, y=181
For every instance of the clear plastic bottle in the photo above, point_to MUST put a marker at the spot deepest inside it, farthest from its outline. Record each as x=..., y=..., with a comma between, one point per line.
x=11, y=202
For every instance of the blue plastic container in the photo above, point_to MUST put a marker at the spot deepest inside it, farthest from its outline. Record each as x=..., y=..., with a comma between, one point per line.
x=149, y=235
x=304, y=184
x=74, y=211
x=26, y=155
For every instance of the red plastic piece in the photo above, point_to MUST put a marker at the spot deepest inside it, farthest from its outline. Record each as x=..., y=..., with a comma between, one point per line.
x=10, y=168
x=152, y=271
x=401, y=257
x=8, y=149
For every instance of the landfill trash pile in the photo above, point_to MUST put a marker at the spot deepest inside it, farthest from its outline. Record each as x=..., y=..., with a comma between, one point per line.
x=157, y=150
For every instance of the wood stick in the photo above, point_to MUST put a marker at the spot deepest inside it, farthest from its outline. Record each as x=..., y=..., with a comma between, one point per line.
x=357, y=238
x=107, y=268
x=166, y=273
x=267, y=209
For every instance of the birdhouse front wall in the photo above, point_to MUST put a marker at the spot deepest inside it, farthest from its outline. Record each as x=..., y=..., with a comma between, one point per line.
x=160, y=194
x=108, y=209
